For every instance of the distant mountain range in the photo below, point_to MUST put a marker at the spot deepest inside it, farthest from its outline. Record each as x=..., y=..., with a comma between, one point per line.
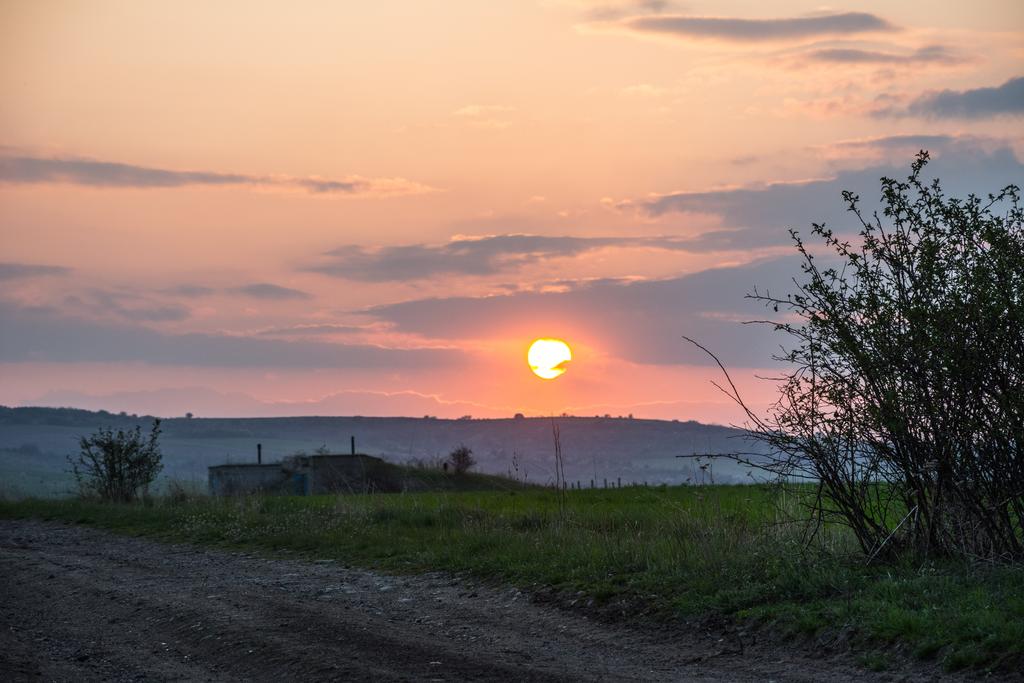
x=34, y=443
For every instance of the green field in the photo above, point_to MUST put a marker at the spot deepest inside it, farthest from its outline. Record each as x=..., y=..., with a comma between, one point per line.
x=666, y=553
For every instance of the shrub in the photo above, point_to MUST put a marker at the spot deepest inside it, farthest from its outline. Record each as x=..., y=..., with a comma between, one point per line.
x=117, y=466
x=906, y=397
x=461, y=459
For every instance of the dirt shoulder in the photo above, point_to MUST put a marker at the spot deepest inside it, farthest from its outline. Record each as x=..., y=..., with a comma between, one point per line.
x=82, y=604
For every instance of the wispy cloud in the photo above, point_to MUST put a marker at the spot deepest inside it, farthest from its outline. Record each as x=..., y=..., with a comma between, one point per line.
x=760, y=215
x=128, y=306
x=94, y=173
x=758, y=30
x=899, y=142
x=605, y=11
x=270, y=291
x=16, y=271
x=255, y=290
x=190, y=291
x=1006, y=99
x=899, y=149
x=469, y=255
x=48, y=335
x=930, y=54
x=315, y=330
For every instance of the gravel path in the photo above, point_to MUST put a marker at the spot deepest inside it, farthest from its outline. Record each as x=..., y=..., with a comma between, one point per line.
x=80, y=604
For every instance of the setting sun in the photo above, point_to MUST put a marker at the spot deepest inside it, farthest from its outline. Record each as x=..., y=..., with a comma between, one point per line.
x=547, y=357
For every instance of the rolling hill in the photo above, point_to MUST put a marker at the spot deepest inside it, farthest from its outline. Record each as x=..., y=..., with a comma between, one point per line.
x=34, y=443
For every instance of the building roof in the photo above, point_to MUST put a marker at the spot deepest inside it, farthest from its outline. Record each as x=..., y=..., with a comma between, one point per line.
x=318, y=456
x=245, y=465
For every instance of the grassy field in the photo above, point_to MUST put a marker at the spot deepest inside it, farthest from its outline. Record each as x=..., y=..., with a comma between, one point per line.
x=671, y=552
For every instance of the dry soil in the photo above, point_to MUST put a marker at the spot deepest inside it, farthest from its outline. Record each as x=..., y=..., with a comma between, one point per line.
x=80, y=604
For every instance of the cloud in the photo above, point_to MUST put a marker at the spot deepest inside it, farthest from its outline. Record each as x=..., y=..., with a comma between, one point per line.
x=17, y=271
x=641, y=321
x=900, y=142
x=760, y=216
x=155, y=314
x=311, y=330
x=897, y=150
x=468, y=255
x=271, y=292
x=107, y=174
x=1005, y=99
x=23, y=169
x=256, y=290
x=46, y=335
x=606, y=11
x=190, y=291
x=750, y=217
x=124, y=305
x=758, y=30
x=931, y=54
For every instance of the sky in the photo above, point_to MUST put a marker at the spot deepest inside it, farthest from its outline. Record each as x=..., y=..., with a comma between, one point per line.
x=351, y=208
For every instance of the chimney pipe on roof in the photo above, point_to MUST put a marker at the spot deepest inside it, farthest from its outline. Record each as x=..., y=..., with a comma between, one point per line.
x=259, y=454
x=353, y=445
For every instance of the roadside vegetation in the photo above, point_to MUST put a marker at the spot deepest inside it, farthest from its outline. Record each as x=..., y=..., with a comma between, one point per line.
x=665, y=553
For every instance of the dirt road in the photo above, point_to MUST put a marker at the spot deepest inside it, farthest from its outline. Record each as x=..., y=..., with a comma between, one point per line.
x=81, y=604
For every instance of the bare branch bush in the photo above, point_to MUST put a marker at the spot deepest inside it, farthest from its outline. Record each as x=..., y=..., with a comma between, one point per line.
x=117, y=466
x=905, y=399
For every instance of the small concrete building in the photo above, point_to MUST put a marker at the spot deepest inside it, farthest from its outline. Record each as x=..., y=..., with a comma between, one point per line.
x=302, y=475
x=230, y=480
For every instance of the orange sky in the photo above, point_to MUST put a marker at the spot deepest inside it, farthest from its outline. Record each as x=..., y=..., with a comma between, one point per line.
x=372, y=208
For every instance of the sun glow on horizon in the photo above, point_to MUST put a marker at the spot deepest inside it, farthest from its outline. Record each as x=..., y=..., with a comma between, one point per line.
x=548, y=357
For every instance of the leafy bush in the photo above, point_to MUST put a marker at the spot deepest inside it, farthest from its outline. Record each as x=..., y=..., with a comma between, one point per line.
x=906, y=398
x=117, y=466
